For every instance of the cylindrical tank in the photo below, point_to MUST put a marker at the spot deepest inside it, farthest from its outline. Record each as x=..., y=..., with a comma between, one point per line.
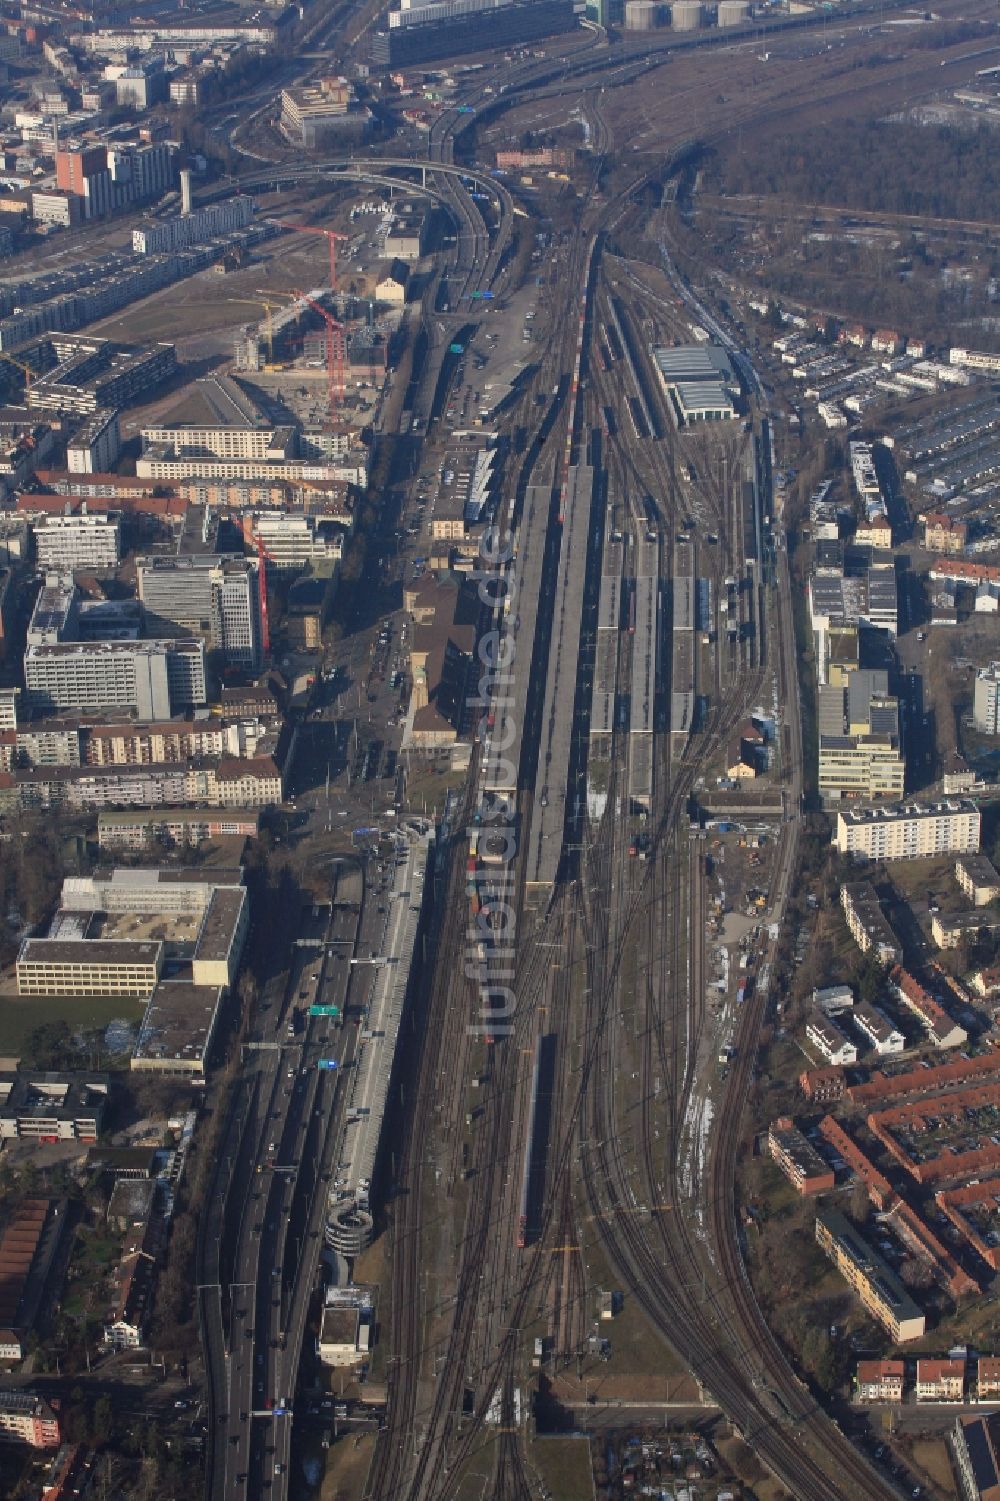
x=733, y=12
x=685, y=15
x=642, y=15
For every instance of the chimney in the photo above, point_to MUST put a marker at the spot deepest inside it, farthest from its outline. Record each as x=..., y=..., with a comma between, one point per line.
x=186, y=191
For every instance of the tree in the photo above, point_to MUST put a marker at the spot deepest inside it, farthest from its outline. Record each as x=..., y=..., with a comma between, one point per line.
x=103, y=1420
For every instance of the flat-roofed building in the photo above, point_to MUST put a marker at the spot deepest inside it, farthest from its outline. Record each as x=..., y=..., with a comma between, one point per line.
x=346, y=1326
x=834, y=999
x=909, y=831
x=697, y=380
x=875, y=1283
x=216, y=598
x=868, y=923
x=144, y=830
x=81, y=539
x=69, y=966
x=153, y=678
x=975, y=1443
x=52, y=1106
x=880, y=1380
x=986, y=700
x=28, y=1419
x=979, y=879
x=177, y=1029
x=798, y=1158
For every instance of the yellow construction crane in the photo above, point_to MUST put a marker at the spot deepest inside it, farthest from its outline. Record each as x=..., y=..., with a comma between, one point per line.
x=25, y=370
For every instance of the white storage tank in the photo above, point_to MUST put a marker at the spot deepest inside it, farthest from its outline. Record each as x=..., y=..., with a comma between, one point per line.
x=685, y=15
x=733, y=12
x=642, y=15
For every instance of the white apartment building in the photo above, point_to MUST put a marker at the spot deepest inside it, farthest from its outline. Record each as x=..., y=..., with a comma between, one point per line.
x=80, y=540
x=877, y=1030
x=96, y=446
x=986, y=700
x=909, y=831
x=830, y=1041
x=181, y=230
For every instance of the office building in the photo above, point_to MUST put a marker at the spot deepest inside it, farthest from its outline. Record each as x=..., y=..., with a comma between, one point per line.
x=313, y=114
x=295, y=539
x=80, y=966
x=875, y=1283
x=79, y=540
x=216, y=598
x=153, y=678
x=909, y=831
x=52, y=1106
x=860, y=748
x=868, y=923
x=142, y=84
x=986, y=700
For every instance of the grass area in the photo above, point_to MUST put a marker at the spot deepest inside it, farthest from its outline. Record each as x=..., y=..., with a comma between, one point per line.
x=347, y=1466
x=743, y=1462
x=21, y=1014
x=564, y=1465
x=476, y=1482
x=430, y=786
x=932, y=1457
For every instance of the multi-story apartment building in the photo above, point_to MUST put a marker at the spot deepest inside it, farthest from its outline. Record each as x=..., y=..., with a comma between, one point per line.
x=153, y=678
x=217, y=598
x=798, y=1158
x=910, y=831
x=139, y=831
x=875, y=1283
x=979, y=879
x=828, y=1040
x=868, y=923
x=943, y=533
x=80, y=966
x=880, y=1380
x=27, y=1419
x=986, y=700
x=95, y=446
x=226, y=783
x=940, y=1380
x=79, y=540
x=180, y=230
x=877, y=1030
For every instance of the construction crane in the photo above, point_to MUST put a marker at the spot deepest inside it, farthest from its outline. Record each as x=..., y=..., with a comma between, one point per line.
x=25, y=370
x=332, y=236
x=336, y=357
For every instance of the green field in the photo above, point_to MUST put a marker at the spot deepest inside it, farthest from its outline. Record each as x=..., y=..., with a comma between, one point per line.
x=19, y=1015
